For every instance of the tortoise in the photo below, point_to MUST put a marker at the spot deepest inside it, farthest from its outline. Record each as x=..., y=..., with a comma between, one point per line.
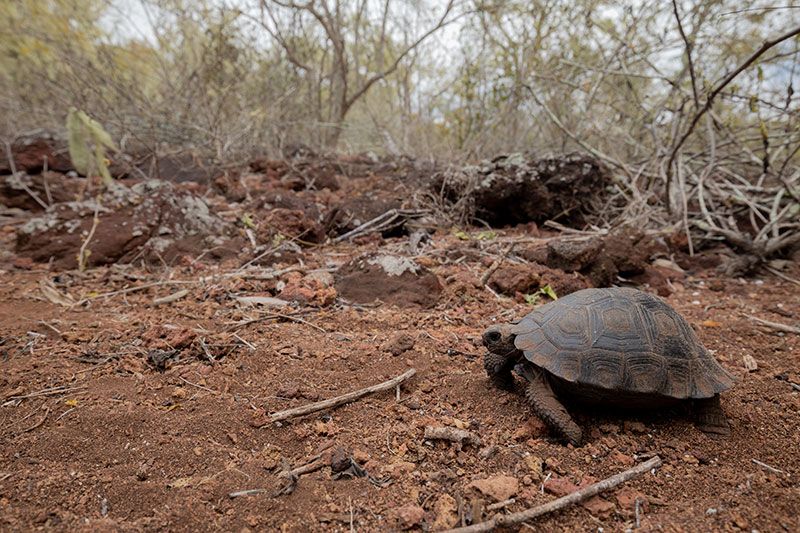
x=617, y=346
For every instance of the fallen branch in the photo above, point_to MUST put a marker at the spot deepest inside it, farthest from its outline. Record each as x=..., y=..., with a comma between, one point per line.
x=775, y=325
x=248, y=492
x=379, y=223
x=459, y=436
x=501, y=505
x=174, y=297
x=341, y=400
x=561, y=503
x=496, y=264
x=765, y=466
x=305, y=469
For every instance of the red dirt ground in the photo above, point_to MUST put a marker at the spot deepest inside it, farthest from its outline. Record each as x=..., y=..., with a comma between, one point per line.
x=123, y=446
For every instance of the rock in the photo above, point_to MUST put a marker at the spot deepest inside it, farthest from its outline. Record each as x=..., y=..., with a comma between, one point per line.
x=514, y=189
x=598, y=506
x=512, y=279
x=609, y=428
x=152, y=220
x=340, y=459
x=498, y=488
x=626, y=498
x=625, y=251
x=399, y=344
x=445, y=511
x=31, y=152
x=391, y=279
x=360, y=456
x=294, y=224
x=400, y=467
x=690, y=459
x=535, y=466
x=533, y=428
x=632, y=426
x=560, y=486
x=308, y=290
x=408, y=516
x=14, y=190
x=621, y=458
x=749, y=363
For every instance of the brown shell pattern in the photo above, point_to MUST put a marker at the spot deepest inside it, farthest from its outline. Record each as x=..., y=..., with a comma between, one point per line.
x=621, y=339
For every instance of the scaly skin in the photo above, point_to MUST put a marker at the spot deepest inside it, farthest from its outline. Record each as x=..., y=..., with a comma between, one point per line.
x=498, y=368
x=710, y=418
x=546, y=406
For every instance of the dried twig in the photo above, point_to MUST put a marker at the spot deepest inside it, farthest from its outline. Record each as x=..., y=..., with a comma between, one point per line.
x=312, y=466
x=501, y=505
x=460, y=436
x=765, y=466
x=561, y=503
x=248, y=492
x=496, y=264
x=775, y=325
x=710, y=100
x=174, y=297
x=47, y=392
x=341, y=400
x=379, y=223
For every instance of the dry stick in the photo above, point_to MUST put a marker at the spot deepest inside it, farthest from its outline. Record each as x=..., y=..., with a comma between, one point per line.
x=13, y=166
x=460, y=436
x=710, y=100
x=782, y=275
x=82, y=256
x=174, y=297
x=570, y=499
x=496, y=264
x=501, y=505
x=767, y=467
x=47, y=392
x=341, y=400
x=775, y=325
x=249, y=492
x=305, y=469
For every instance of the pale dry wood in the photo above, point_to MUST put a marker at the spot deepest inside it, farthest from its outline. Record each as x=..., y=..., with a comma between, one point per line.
x=765, y=466
x=461, y=436
x=341, y=400
x=174, y=297
x=305, y=469
x=561, y=503
x=775, y=325
x=496, y=264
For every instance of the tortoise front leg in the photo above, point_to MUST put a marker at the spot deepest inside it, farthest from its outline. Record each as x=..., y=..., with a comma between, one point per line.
x=498, y=368
x=709, y=417
x=546, y=406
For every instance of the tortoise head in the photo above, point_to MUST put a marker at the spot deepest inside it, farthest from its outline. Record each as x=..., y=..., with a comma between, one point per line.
x=499, y=339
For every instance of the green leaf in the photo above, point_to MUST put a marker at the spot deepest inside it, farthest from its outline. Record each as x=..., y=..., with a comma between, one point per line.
x=463, y=235
x=486, y=235
x=78, y=141
x=531, y=299
x=102, y=165
x=247, y=220
x=548, y=290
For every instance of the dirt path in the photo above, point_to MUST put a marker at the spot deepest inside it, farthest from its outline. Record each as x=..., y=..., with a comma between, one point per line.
x=95, y=437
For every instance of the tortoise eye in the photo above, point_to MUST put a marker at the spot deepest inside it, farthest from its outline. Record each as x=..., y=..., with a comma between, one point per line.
x=493, y=336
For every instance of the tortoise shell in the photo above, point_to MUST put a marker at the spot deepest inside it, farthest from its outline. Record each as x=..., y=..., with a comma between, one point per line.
x=620, y=339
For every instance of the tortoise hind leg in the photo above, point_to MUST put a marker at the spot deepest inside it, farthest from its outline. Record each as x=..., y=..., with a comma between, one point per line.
x=545, y=404
x=710, y=418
